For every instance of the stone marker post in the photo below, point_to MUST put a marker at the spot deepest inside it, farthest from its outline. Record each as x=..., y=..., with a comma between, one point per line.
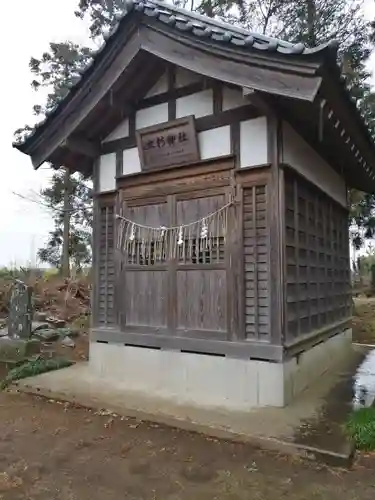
x=20, y=311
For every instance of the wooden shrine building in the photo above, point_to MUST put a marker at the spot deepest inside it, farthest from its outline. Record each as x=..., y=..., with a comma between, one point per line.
x=221, y=162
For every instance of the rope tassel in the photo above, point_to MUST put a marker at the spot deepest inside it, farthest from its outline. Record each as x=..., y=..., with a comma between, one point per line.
x=144, y=244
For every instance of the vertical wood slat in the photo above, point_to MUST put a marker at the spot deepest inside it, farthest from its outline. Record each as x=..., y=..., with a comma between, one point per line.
x=106, y=262
x=105, y=284
x=230, y=259
x=171, y=77
x=282, y=236
x=296, y=248
x=235, y=137
x=95, y=263
x=217, y=98
x=240, y=290
x=119, y=163
x=118, y=262
x=256, y=263
x=172, y=268
x=276, y=226
x=256, y=298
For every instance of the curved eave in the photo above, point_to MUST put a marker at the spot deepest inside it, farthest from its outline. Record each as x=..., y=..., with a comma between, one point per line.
x=198, y=27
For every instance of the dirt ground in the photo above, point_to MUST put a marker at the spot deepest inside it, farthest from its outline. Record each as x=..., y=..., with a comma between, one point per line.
x=50, y=451
x=54, y=451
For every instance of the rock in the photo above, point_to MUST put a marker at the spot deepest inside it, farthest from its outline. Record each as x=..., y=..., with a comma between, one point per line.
x=40, y=316
x=74, y=333
x=4, y=332
x=66, y=332
x=56, y=322
x=47, y=334
x=39, y=325
x=68, y=342
x=18, y=349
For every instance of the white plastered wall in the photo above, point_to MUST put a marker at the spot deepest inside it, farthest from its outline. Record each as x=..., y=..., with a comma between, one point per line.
x=303, y=158
x=119, y=132
x=253, y=140
x=107, y=172
x=213, y=143
x=213, y=381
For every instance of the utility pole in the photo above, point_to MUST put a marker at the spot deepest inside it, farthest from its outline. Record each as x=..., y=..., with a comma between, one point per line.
x=65, y=265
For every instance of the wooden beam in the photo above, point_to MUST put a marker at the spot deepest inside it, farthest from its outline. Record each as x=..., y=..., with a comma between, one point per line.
x=229, y=117
x=276, y=209
x=204, y=345
x=86, y=98
x=229, y=68
x=82, y=146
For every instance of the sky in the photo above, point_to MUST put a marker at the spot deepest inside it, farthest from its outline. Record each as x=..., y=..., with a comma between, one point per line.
x=24, y=225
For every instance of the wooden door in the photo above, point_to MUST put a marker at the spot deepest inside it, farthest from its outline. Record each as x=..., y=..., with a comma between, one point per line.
x=185, y=295
x=201, y=279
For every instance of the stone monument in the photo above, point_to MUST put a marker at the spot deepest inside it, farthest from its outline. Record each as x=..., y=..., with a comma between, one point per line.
x=20, y=311
x=18, y=345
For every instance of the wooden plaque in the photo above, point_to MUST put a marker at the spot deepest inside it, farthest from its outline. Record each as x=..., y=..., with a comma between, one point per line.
x=168, y=144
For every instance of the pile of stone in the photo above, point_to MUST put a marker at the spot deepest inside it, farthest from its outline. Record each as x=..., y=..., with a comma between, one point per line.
x=28, y=333
x=49, y=329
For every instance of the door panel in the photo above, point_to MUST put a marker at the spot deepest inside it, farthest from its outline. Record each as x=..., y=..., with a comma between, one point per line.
x=146, y=298
x=182, y=295
x=201, y=300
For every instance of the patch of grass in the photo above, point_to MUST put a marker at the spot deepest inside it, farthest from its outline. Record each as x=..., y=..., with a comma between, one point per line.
x=82, y=323
x=32, y=368
x=360, y=426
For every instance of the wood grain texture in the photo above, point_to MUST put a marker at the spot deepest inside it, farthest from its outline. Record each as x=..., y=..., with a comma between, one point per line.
x=145, y=298
x=317, y=252
x=105, y=260
x=256, y=263
x=232, y=71
x=189, y=342
x=184, y=296
x=201, y=300
x=275, y=201
x=203, y=123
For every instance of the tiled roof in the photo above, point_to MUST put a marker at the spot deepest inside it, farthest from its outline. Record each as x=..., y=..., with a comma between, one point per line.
x=197, y=25
x=207, y=28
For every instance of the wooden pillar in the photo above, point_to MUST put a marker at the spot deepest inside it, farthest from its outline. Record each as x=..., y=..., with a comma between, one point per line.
x=277, y=229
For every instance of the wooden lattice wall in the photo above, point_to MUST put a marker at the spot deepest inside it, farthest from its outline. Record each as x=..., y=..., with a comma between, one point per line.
x=256, y=257
x=317, y=287
x=105, y=262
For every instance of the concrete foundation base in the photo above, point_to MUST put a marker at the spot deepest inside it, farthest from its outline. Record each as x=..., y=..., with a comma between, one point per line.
x=18, y=350
x=214, y=381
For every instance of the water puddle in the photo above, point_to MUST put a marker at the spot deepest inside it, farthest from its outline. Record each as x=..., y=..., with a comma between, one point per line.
x=364, y=382
x=351, y=386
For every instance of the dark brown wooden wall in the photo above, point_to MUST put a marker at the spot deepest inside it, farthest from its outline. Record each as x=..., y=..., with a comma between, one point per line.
x=256, y=260
x=317, y=284
x=221, y=296
x=183, y=296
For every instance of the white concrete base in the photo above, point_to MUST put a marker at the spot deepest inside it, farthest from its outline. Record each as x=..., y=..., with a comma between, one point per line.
x=212, y=381
x=301, y=371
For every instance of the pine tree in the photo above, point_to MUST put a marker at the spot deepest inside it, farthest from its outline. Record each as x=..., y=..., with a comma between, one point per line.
x=80, y=219
x=58, y=70
x=102, y=14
